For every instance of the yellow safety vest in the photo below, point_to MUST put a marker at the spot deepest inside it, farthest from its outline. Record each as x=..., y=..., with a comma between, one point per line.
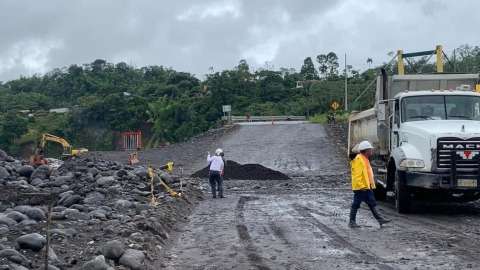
x=362, y=174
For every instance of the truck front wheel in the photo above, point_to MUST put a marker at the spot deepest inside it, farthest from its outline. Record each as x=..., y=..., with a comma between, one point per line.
x=403, y=197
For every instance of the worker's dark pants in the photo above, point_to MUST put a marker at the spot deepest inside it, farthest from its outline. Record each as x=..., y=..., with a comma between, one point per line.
x=215, y=178
x=363, y=196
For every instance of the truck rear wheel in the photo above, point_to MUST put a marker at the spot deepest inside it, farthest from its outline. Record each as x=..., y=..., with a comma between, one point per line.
x=403, y=197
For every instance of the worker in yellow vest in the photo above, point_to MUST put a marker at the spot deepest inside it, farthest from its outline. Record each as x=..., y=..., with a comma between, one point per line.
x=363, y=185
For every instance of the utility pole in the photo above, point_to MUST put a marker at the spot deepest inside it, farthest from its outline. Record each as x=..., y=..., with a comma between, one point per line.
x=454, y=62
x=346, y=106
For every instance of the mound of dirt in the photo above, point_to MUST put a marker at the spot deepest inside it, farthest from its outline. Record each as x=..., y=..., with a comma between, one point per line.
x=236, y=171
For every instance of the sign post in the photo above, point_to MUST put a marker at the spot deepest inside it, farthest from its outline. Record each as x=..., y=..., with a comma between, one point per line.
x=226, y=109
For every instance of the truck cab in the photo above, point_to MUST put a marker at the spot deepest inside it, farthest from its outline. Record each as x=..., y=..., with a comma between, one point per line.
x=426, y=137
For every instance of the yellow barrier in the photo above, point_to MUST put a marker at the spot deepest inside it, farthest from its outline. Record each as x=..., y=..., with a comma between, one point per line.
x=152, y=175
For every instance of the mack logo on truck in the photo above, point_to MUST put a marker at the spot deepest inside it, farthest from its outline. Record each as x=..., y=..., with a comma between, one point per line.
x=467, y=154
x=461, y=146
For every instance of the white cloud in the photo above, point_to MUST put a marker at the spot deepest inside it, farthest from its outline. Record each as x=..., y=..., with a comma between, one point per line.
x=32, y=55
x=218, y=9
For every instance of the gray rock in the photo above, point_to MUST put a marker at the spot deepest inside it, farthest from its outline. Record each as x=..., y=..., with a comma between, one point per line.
x=9, y=253
x=122, y=172
x=58, y=208
x=3, y=155
x=64, y=232
x=78, y=207
x=8, y=221
x=93, y=198
x=113, y=190
x=72, y=200
x=106, y=181
x=27, y=223
x=18, y=267
x=4, y=173
x=97, y=214
x=142, y=207
x=10, y=159
x=36, y=182
x=36, y=214
x=78, y=216
x=22, y=208
x=61, y=180
x=17, y=216
x=141, y=173
x=137, y=237
x=25, y=171
x=4, y=230
x=42, y=172
x=95, y=265
x=93, y=171
x=132, y=258
x=50, y=267
x=67, y=212
x=32, y=241
x=89, y=178
x=9, y=168
x=90, y=164
x=113, y=250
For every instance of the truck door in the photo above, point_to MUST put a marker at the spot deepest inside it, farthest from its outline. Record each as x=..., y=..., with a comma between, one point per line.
x=395, y=126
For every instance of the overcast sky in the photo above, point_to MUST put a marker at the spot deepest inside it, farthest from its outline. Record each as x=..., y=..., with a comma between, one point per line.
x=39, y=35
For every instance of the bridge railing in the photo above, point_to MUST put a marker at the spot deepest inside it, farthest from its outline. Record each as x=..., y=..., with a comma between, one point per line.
x=264, y=118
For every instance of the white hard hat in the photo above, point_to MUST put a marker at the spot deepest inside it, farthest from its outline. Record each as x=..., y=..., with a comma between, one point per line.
x=364, y=146
x=218, y=151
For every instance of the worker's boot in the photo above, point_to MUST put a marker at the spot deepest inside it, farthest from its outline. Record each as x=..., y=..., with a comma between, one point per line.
x=353, y=216
x=380, y=218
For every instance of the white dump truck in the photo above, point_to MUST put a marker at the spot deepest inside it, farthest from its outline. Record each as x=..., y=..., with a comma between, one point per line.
x=426, y=134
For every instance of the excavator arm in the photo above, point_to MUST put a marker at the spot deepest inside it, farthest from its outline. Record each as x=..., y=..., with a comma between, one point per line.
x=38, y=160
x=67, y=148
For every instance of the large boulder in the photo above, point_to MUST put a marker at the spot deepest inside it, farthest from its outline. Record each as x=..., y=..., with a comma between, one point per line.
x=36, y=214
x=132, y=258
x=25, y=171
x=32, y=241
x=8, y=222
x=4, y=173
x=3, y=155
x=17, y=216
x=113, y=250
x=93, y=198
x=43, y=172
x=106, y=181
x=75, y=199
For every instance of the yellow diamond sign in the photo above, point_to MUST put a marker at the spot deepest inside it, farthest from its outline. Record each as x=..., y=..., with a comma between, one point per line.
x=335, y=105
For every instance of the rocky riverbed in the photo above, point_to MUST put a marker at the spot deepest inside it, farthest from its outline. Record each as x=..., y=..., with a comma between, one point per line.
x=102, y=216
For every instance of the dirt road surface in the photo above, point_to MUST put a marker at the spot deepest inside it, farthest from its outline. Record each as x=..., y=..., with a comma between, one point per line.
x=302, y=223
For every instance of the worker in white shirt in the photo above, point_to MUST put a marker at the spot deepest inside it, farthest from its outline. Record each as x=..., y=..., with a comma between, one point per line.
x=216, y=167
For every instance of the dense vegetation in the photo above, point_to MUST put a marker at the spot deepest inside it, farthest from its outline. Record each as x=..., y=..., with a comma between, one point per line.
x=109, y=98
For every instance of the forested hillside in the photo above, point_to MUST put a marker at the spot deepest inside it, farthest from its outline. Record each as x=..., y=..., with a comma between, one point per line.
x=104, y=98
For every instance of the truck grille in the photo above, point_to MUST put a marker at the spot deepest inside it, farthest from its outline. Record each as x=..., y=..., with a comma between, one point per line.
x=467, y=153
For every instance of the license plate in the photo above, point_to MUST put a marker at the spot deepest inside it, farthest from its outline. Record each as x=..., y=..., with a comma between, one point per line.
x=467, y=182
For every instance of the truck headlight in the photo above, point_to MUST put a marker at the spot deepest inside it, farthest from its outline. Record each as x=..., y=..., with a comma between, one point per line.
x=412, y=163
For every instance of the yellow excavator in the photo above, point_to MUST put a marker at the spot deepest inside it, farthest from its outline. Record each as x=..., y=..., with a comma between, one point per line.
x=68, y=150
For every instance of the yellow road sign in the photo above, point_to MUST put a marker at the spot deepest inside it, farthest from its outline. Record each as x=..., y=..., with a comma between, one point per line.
x=335, y=105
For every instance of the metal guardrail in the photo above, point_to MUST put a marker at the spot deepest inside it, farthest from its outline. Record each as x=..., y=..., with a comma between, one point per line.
x=264, y=118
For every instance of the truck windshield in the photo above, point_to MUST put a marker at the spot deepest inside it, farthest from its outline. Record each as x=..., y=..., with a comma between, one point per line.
x=422, y=108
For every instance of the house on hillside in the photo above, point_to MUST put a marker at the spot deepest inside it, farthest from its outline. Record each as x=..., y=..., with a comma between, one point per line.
x=302, y=83
x=59, y=110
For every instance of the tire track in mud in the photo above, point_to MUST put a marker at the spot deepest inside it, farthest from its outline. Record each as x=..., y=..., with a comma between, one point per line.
x=305, y=213
x=253, y=254
x=438, y=229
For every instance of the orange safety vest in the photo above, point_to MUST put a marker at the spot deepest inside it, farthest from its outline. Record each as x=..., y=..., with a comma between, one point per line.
x=362, y=173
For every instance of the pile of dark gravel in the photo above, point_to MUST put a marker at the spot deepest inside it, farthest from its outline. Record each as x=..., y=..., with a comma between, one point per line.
x=234, y=170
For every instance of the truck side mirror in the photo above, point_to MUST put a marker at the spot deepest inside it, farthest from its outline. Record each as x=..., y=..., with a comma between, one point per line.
x=381, y=112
